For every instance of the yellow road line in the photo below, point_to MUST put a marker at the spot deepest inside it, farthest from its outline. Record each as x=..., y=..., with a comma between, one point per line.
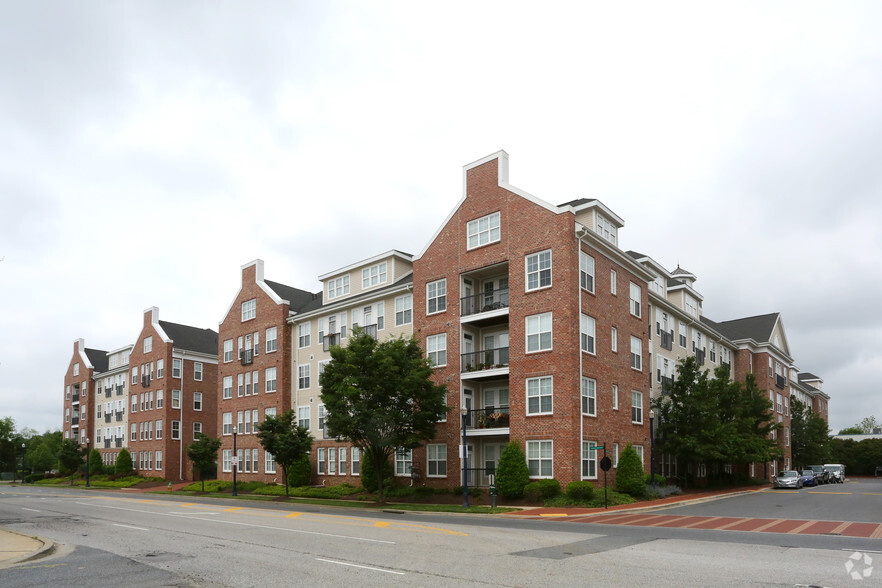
x=382, y=524
x=293, y=514
x=816, y=492
x=553, y=515
x=233, y=508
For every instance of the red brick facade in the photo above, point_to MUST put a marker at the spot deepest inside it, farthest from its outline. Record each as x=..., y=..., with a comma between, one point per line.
x=78, y=403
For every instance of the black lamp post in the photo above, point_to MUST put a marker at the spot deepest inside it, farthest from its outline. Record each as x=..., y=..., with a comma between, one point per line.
x=88, y=458
x=22, y=463
x=465, y=458
x=235, y=459
x=651, y=448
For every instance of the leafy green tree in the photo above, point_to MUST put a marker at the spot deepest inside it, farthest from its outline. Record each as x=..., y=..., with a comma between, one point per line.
x=124, y=463
x=70, y=457
x=512, y=473
x=40, y=458
x=852, y=430
x=860, y=457
x=380, y=396
x=287, y=441
x=95, y=464
x=7, y=444
x=369, y=477
x=203, y=453
x=300, y=472
x=629, y=474
x=809, y=434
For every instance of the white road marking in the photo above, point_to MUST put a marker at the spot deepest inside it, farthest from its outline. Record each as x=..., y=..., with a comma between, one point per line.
x=300, y=531
x=30, y=509
x=130, y=527
x=343, y=563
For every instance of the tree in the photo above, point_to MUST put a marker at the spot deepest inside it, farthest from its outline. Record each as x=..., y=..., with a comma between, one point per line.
x=380, y=396
x=853, y=430
x=7, y=444
x=203, y=454
x=512, y=473
x=124, y=463
x=70, y=457
x=809, y=434
x=629, y=474
x=287, y=441
x=95, y=464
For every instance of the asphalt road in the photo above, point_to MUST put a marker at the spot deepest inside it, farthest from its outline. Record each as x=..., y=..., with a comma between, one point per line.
x=147, y=540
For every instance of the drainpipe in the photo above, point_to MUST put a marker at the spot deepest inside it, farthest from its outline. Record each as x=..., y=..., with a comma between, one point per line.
x=579, y=235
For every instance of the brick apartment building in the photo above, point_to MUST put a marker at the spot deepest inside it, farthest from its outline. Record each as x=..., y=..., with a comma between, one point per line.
x=83, y=366
x=172, y=395
x=111, y=406
x=254, y=369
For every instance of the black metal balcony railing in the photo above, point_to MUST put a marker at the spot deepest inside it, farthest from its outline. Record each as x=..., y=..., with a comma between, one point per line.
x=489, y=417
x=328, y=340
x=75, y=420
x=119, y=417
x=780, y=381
x=107, y=444
x=120, y=389
x=108, y=391
x=75, y=398
x=483, y=302
x=667, y=340
x=666, y=383
x=247, y=356
x=370, y=330
x=699, y=356
x=108, y=417
x=485, y=360
x=118, y=442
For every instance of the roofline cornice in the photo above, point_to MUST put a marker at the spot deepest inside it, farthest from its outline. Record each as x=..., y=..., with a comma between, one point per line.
x=583, y=233
x=370, y=297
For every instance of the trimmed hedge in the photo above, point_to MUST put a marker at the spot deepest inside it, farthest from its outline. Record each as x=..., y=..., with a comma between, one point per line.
x=542, y=489
x=580, y=490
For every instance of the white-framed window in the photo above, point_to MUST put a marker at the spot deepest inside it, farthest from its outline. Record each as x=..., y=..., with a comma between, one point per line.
x=606, y=229
x=249, y=310
x=589, y=396
x=270, y=379
x=272, y=339
x=639, y=450
x=267, y=412
x=159, y=460
x=436, y=349
x=586, y=334
x=76, y=369
x=134, y=378
x=403, y=461
x=227, y=460
x=332, y=461
x=321, y=416
x=436, y=296
x=303, y=334
x=374, y=275
x=589, y=460
x=538, y=270
x=176, y=430
x=159, y=429
x=482, y=231
x=197, y=400
x=539, y=332
x=160, y=368
x=228, y=351
x=197, y=371
x=338, y=287
x=381, y=315
x=240, y=387
x=148, y=345
x=303, y=416
x=342, y=463
x=636, y=297
x=586, y=271
x=637, y=353
x=615, y=455
x=614, y=339
x=228, y=387
x=682, y=334
x=343, y=316
x=134, y=432
x=320, y=460
x=786, y=406
x=303, y=376
x=540, y=392
x=269, y=463
x=613, y=278
x=403, y=310
x=436, y=460
x=636, y=407
x=540, y=459
x=356, y=461
x=197, y=428
x=160, y=397
x=134, y=403
x=176, y=367
x=176, y=399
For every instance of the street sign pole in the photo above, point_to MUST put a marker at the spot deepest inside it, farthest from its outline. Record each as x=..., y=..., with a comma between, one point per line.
x=605, y=464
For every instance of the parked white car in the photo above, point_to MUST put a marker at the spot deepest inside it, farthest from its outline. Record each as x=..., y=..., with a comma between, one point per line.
x=837, y=472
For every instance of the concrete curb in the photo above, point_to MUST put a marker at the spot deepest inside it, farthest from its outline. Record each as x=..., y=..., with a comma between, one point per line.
x=32, y=548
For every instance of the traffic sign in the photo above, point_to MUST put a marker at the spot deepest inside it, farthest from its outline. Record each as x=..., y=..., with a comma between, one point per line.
x=605, y=463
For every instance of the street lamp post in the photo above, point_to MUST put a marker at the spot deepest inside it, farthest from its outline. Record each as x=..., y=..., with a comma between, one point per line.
x=465, y=458
x=651, y=448
x=235, y=459
x=22, y=463
x=88, y=457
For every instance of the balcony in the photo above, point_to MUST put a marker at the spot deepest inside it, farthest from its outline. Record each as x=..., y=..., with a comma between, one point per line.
x=145, y=381
x=75, y=421
x=699, y=356
x=118, y=442
x=108, y=417
x=667, y=340
x=489, y=359
x=120, y=389
x=119, y=417
x=329, y=340
x=370, y=330
x=108, y=391
x=107, y=444
x=489, y=417
x=666, y=383
x=246, y=356
x=780, y=381
x=75, y=398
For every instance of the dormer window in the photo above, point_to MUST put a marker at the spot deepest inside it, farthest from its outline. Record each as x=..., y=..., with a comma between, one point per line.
x=338, y=287
x=373, y=276
x=606, y=229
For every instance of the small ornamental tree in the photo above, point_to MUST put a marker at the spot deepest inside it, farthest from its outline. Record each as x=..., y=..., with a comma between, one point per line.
x=512, y=474
x=95, y=464
x=287, y=441
x=629, y=475
x=380, y=396
x=124, y=463
x=203, y=454
x=70, y=457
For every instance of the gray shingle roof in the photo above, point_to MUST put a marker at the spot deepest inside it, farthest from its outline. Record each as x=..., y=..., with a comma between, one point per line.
x=578, y=202
x=191, y=338
x=98, y=359
x=759, y=328
x=296, y=297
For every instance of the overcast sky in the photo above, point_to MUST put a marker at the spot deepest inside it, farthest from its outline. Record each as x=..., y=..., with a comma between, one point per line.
x=150, y=149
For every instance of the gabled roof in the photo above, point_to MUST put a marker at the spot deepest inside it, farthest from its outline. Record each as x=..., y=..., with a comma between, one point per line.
x=759, y=328
x=98, y=359
x=578, y=202
x=191, y=338
x=317, y=302
x=295, y=296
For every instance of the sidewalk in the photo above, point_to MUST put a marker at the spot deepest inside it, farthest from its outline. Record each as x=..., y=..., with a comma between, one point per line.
x=16, y=548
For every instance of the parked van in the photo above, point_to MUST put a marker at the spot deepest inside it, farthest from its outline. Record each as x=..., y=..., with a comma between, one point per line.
x=837, y=472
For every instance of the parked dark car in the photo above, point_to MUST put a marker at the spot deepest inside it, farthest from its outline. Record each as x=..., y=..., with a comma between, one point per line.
x=808, y=478
x=788, y=479
x=822, y=474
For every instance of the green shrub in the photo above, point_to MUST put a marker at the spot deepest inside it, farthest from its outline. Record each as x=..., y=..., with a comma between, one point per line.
x=512, y=473
x=474, y=491
x=425, y=491
x=369, y=477
x=300, y=472
x=580, y=490
x=629, y=477
x=542, y=489
x=124, y=463
x=659, y=480
x=613, y=499
x=402, y=492
x=663, y=491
